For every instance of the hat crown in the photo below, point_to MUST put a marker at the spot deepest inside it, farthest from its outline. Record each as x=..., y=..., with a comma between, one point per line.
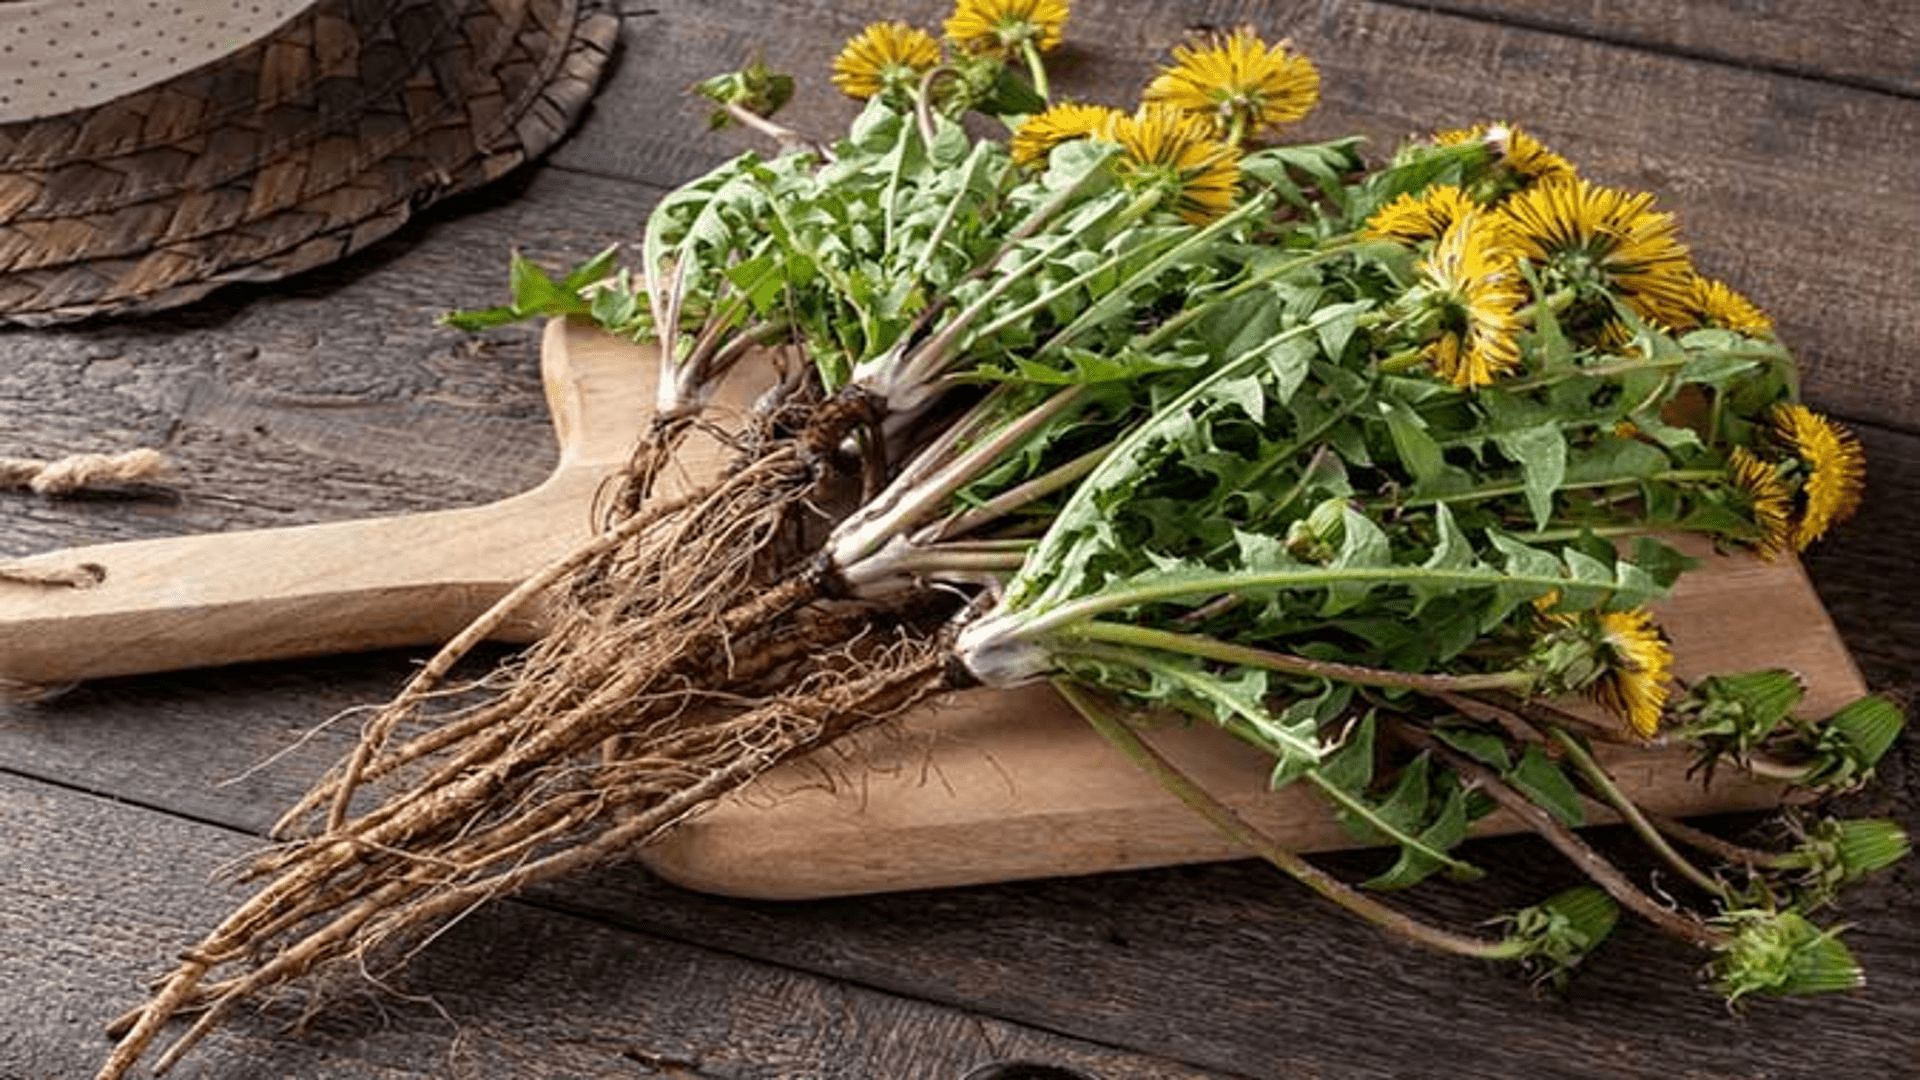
x=60, y=56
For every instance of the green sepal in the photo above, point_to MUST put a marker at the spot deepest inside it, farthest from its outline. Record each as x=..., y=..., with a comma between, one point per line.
x=1781, y=954
x=1557, y=934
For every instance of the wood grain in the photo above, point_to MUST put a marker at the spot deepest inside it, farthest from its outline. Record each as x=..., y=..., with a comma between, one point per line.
x=518, y=990
x=1225, y=966
x=1867, y=43
x=413, y=579
x=1789, y=188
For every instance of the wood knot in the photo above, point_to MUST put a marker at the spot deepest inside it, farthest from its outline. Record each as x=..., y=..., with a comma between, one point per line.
x=84, y=575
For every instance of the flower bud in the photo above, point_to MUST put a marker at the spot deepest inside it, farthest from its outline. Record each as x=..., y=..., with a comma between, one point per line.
x=1781, y=953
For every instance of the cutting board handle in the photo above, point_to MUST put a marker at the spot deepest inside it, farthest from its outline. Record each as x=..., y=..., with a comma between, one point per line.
x=196, y=601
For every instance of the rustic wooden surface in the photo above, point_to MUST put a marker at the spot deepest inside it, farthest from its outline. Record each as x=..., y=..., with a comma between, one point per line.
x=1784, y=139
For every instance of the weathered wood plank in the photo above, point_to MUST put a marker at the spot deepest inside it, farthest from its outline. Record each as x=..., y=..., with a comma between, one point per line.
x=1223, y=965
x=331, y=397
x=1788, y=187
x=1860, y=42
x=95, y=896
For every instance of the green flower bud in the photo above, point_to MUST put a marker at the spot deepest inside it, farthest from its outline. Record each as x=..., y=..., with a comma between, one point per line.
x=1781, y=953
x=1740, y=709
x=1852, y=741
x=1316, y=537
x=756, y=88
x=1560, y=931
x=1834, y=853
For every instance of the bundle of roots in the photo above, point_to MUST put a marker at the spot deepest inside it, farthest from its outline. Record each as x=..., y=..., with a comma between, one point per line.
x=695, y=643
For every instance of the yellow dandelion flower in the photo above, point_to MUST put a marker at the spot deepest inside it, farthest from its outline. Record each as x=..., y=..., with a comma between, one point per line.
x=1472, y=279
x=1521, y=152
x=1767, y=497
x=1716, y=304
x=1005, y=26
x=1638, y=669
x=1060, y=124
x=882, y=57
x=1412, y=218
x=1836, y=470
x=1239, y=82
x=1596, y=237
x=1164, y=147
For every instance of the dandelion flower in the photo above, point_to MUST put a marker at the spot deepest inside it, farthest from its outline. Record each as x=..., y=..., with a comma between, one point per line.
x=1412, y=218
x=1166, y=148
x=1594, y=237
x=1768, y=500
x=1716, y=304
x=1060, y=124
x=1473, y=281
x=1005, y=26
x=1238, y=82
x=885, y=56
x=1836, y=470
x=1524, y=154
x=1627, y=666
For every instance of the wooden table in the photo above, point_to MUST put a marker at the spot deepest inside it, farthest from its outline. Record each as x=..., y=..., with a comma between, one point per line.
x=1784, y=134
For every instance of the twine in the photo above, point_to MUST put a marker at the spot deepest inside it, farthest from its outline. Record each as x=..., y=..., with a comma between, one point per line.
x=83, y=472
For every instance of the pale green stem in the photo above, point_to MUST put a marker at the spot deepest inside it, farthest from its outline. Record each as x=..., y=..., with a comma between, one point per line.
x=1715, y=846
x=1036, y=69
x=934, y=560
x=1236, y=828
x=1574, y=532
x=1610, y=792
x=1517, y=487
x=891, y=196
x=1202, y=587
x=937, y=354
x=951, y=213
x=1211, y=648
x=1020, y=495
x=862, y=535
x=1166, y=330
x=1080, y=280
x=1103, y=308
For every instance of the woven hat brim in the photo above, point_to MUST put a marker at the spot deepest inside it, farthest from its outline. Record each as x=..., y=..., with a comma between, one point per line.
x=296, y=151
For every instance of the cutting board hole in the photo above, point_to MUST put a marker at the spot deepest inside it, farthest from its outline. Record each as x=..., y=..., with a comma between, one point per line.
x=1026, y=1070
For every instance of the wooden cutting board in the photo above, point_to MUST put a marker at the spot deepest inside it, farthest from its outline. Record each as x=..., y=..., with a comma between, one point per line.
x=976, y=787
x=997, y=785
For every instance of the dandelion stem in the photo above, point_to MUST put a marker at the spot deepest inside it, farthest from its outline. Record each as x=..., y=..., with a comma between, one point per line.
x=1596, y=776
x=1036, y=68
x=1702, y=840
x=1211, y=648
x=1231, y=824
x=1603, y=873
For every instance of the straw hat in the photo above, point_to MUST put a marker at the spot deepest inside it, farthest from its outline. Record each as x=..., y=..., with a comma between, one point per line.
x=152, y=150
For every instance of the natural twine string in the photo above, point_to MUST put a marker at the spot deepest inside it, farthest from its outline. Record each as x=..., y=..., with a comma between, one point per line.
x=83, y=472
